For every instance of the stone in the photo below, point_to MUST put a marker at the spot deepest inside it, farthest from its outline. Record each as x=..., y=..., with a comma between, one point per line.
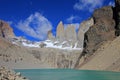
x=60, y=32
x=5, y=30
x=84, y=26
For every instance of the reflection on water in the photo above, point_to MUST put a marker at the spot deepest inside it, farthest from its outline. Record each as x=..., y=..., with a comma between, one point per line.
x=68, y=74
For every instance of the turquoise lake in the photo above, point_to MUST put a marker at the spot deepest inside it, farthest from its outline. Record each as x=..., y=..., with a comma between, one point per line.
x=68, y=74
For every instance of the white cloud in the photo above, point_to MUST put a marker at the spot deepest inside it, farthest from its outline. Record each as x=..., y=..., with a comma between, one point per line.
x=111, y=3
x=76, y=25
x=71, y=18
x=36, y=26
x=89, y=5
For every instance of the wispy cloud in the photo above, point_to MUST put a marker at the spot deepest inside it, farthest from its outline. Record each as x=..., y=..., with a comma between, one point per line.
x=111, y=3
x=71, y=18
x=36, y=26
x=88, y=5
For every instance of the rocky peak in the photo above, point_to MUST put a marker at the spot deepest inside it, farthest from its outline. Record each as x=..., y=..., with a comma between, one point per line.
x=70, y=33
x=60, y=32
x=84, y=26
x=50, y=35
x=5, y=30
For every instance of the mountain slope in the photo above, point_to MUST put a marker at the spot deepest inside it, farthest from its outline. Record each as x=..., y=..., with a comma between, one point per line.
x=14, y=56
x=105, y=58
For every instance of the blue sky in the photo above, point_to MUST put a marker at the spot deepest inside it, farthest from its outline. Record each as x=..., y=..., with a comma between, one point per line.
x=33, y=18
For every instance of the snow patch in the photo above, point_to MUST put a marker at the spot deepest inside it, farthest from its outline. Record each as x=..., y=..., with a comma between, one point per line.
x=30, y=45
x=48, y=44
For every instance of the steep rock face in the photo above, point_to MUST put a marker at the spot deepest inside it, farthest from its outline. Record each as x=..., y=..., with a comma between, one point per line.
x=102, y=30
x=117, y=13
x=50, y=35
x=5, y=30
x=84, y=26
x=70, y=34
x=60, y=32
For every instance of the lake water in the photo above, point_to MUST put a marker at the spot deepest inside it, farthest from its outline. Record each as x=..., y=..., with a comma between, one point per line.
x=68, y=74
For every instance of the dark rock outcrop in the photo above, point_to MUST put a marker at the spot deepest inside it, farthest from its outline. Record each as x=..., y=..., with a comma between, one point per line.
x=117, y=16
x=102, y=30
x=5, y=30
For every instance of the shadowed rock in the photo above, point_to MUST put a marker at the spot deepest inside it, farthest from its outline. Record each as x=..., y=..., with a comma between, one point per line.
x=117, y=16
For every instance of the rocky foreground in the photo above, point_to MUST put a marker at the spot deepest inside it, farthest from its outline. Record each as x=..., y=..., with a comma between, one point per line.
x=6, y=74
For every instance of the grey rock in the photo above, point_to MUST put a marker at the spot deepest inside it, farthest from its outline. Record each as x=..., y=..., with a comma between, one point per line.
x=60, y=32
x=70, y=34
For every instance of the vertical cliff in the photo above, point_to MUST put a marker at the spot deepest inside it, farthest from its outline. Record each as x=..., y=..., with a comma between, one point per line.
x=60, y=32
